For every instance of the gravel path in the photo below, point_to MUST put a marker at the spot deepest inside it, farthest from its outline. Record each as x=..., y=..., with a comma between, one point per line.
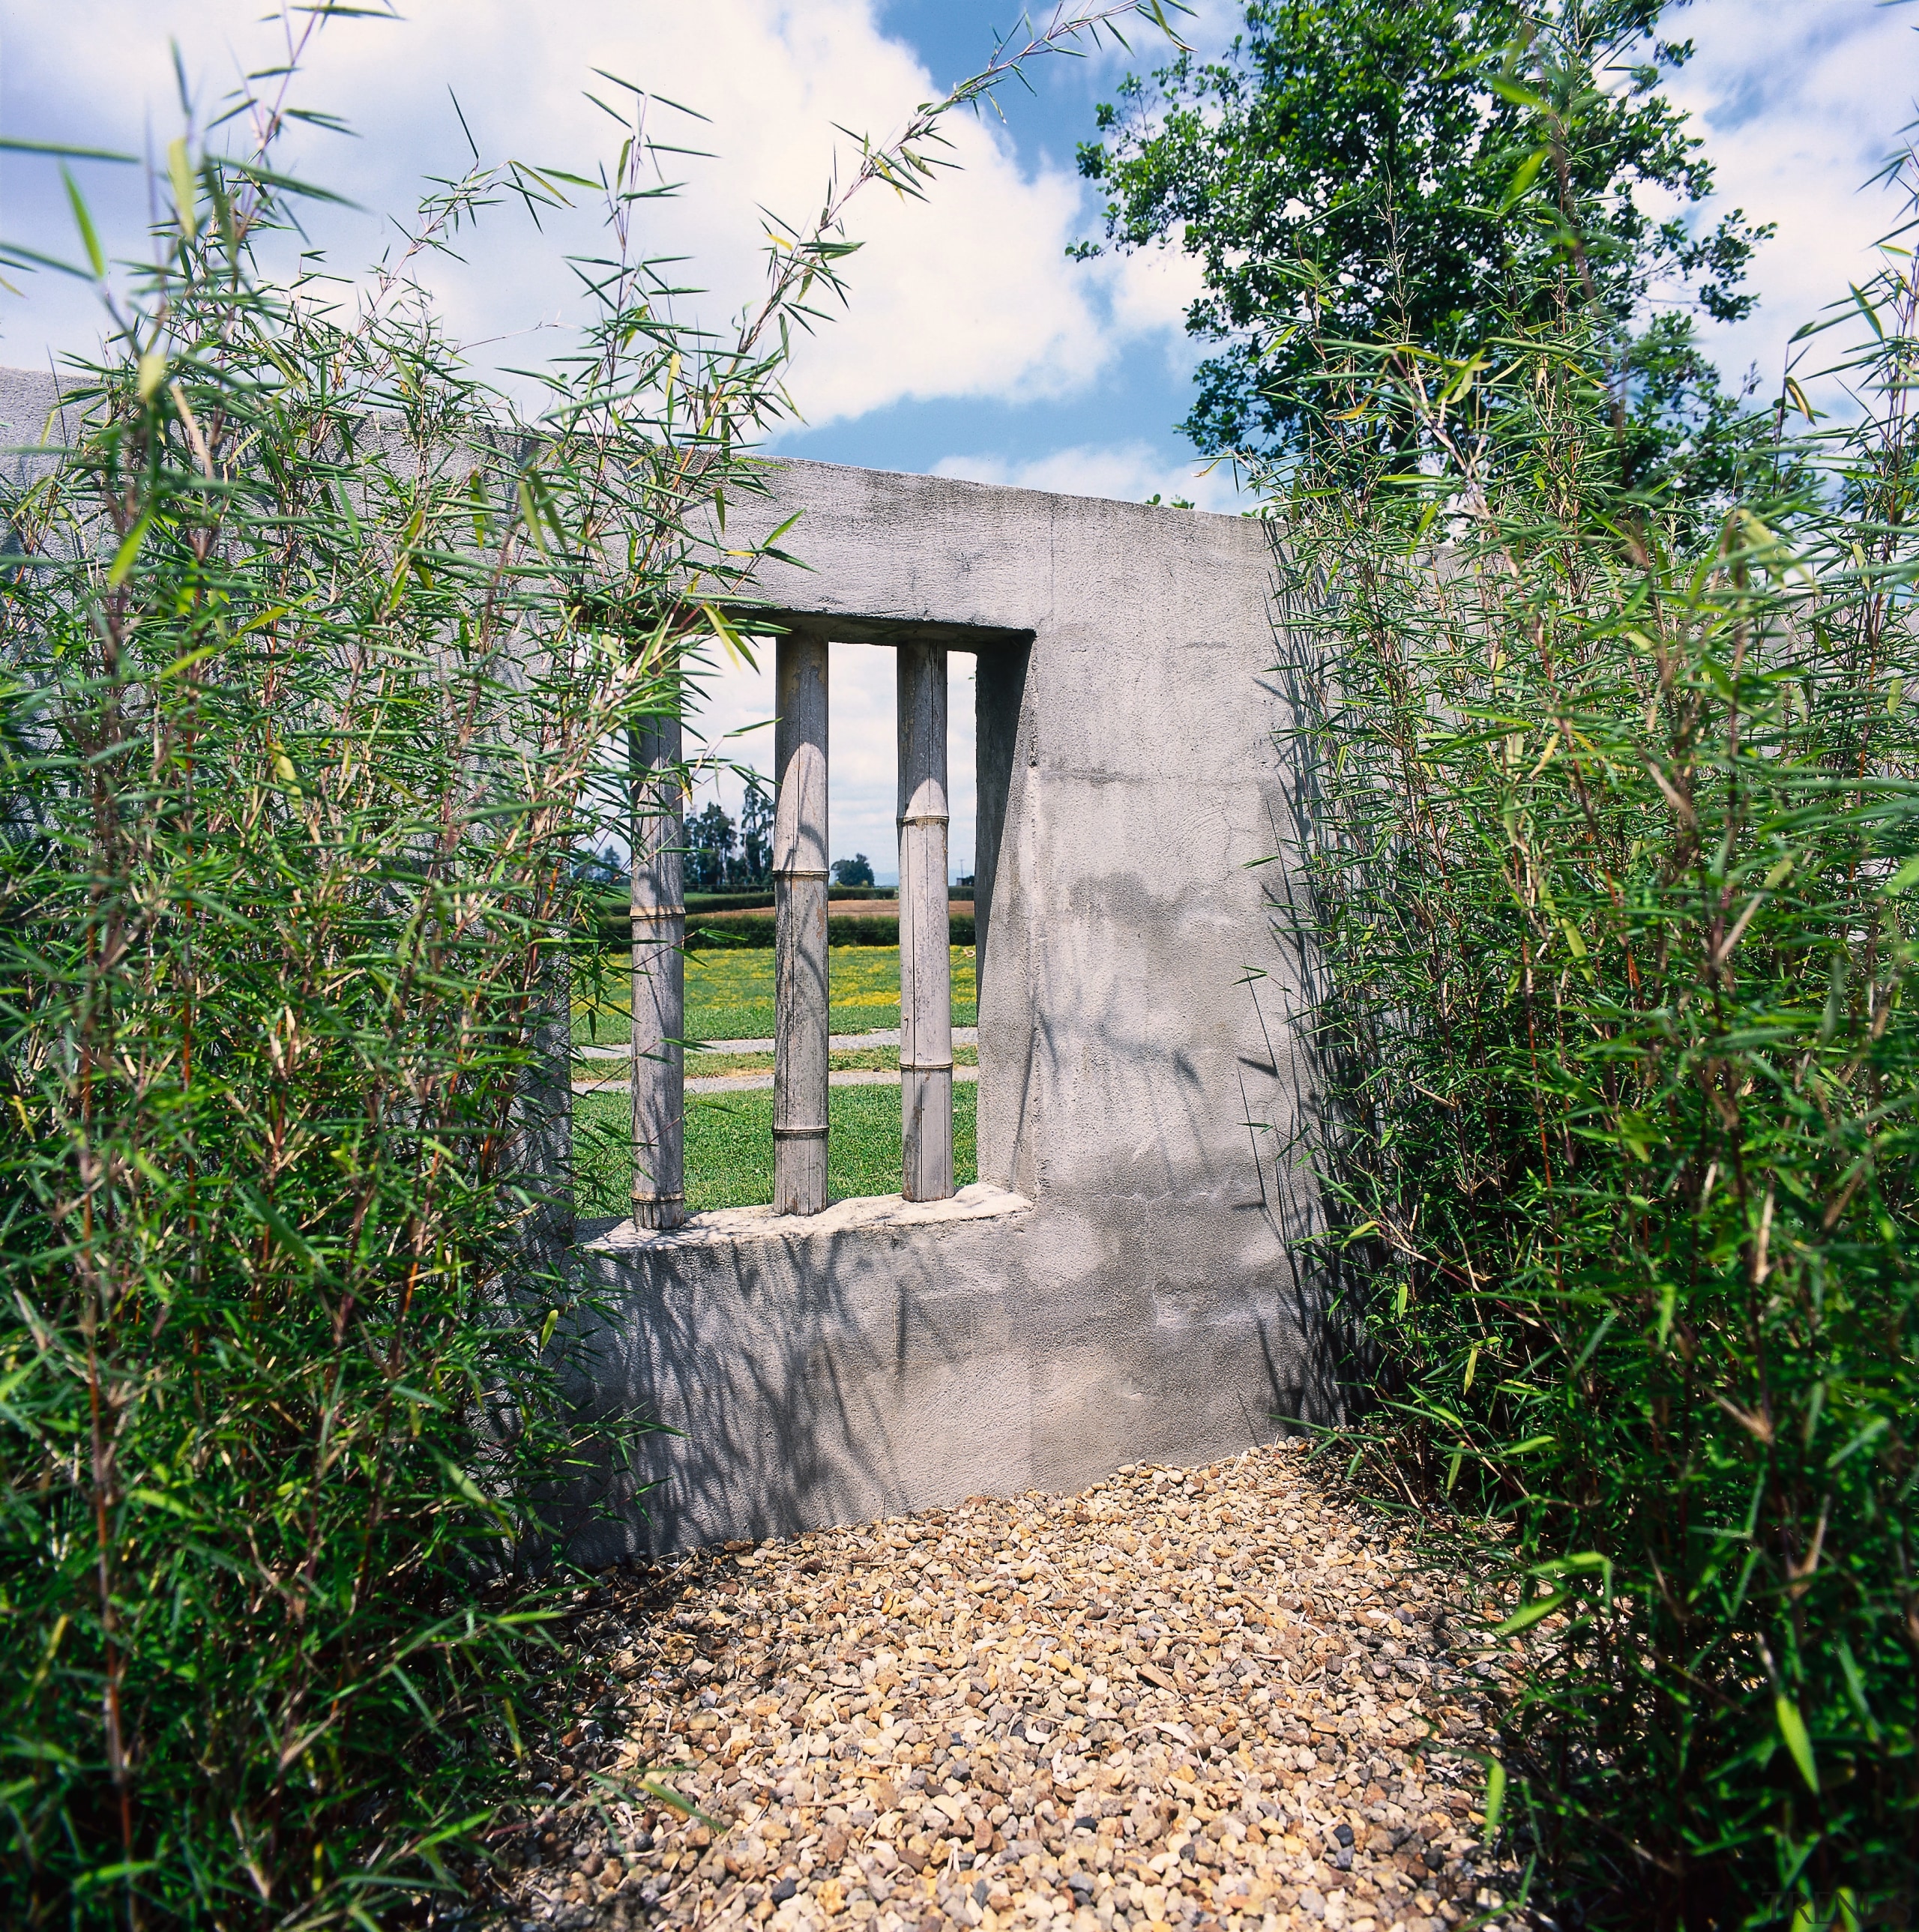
x=1183, y=1699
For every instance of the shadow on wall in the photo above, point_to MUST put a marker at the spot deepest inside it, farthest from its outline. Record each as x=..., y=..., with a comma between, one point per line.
x=804, y=1370
x=1163, y=1301
x=833, y=1376
x=1304, y=1070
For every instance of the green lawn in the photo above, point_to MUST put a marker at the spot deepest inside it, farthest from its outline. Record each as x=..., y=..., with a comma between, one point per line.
x=729, y=1147
x=729, y=993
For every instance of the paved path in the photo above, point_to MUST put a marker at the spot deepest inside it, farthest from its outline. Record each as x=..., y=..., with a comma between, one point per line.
x=1183, y=1699
x=841, y=1042
x=750, y=1083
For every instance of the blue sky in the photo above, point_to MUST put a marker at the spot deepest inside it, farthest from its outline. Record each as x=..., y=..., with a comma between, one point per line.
x=972, y=347
x=1135, y=400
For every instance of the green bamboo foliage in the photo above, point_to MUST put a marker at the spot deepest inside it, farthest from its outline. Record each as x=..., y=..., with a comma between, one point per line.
x=1608, y=830
x=315, y=660
x=310, y=657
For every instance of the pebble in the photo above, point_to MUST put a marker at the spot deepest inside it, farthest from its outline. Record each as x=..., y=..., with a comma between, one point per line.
x=1218, y=1699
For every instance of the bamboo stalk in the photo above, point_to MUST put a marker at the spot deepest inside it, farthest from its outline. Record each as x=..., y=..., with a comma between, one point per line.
x=543, y=1111
x=659, y=976
x=926, y=958
x=799, y=1023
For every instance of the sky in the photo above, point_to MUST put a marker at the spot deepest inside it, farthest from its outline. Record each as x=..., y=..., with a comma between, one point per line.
x=972, y=345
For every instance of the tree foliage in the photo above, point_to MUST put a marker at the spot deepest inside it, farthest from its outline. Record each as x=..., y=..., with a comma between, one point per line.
x=1349, y=172
x=710, y=840
x=1608, y=850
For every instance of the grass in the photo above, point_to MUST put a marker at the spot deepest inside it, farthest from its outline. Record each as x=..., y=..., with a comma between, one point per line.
x=729, y=1147
x=729, y=993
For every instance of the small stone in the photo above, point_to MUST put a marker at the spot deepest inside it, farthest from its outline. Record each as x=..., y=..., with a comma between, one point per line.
x=1089, y=1714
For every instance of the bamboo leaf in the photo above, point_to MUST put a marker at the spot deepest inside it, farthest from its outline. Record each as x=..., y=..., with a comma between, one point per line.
x=287, y=183
x=1523, y=176
x=284, y=1231
x=1527, y=1615
x=1798, y=1742
x=121, y=567
x=186, y=199
x=62, y=150
x=1507, y=88
x=83, y=221
x=1495, y=1797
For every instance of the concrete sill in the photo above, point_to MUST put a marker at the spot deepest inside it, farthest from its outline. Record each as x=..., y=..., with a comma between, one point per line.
x=726, y=1227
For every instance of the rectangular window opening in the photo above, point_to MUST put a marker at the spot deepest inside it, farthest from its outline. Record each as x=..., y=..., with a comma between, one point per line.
x=743, y=1108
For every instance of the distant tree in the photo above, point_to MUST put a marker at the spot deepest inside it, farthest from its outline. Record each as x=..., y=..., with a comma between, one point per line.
x=709, y=847
x=606, y=867
x=857, y=871
x=755, y=835
x=1352, y=172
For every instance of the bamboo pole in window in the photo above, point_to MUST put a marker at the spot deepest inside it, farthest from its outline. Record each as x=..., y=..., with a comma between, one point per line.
x=800, y=1010
x=926, y=958
x=659, y=975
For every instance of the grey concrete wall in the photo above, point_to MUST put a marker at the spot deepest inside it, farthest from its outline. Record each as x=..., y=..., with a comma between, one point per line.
x=33, y=428
x=1123, y=1283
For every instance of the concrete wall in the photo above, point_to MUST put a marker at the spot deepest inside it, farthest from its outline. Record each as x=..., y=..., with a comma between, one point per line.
x=1121, y=1284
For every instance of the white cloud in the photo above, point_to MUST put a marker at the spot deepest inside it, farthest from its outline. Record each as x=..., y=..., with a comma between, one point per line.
x=1150, y=291
x=1799, y=106
x=968, y=295
x=1129, y=472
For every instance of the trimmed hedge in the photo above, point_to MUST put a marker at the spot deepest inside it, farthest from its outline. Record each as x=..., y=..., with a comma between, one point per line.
x=750, y=931
x=753, y=928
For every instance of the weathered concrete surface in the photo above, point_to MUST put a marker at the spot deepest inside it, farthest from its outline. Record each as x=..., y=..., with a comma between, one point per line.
x=1137, y=1074
x=1136, y=1082
x=33, y=428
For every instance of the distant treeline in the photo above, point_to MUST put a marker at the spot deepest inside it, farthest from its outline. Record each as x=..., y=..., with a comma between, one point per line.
x=746, y=919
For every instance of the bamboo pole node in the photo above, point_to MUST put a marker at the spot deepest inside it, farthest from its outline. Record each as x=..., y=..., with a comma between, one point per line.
x=926, y=961
x=658, y=986
x=801, y=1044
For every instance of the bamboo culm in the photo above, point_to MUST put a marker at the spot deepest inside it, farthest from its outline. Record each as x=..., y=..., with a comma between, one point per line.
x=926, y=958
x=659, y=974
x=800, y=1025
